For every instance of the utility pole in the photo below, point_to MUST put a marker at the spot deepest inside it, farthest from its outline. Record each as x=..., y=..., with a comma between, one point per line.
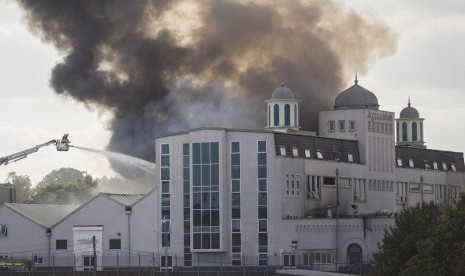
x=95, y=255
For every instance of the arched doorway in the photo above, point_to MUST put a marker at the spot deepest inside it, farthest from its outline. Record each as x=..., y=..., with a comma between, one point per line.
x=354, y=254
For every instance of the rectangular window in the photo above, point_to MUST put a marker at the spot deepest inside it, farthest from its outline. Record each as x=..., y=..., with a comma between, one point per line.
x=115, y=243
x=350, y=157
x=399, y=162
x=428, y=188
x=410, y=163
x=329, y=181
x=342, y=125
x=313, y=187
x=452, y=166
x=435, y=165
x=444, y=166
x=427, y=166
x=3, y=230
x=295, y=152
x=352, y=126
x=61, y=244
x=307, y=153
x=414, y=187
x=282, y=151
x=38, y=259
x=319, y=155
x=344, y=182
x=331, y=126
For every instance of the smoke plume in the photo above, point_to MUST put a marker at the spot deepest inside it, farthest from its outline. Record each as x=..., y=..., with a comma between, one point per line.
x=162, y=66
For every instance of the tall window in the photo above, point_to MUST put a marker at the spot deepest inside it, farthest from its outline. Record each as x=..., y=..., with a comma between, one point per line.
x=313, y=187
x=421, y=131
x=165, y=195
x=276, y=115
x=287, y=115
x=404, y=131
x=414, y=131
x=262, y=204
x=397, y=131
x=205, y=195
x=236, y=203
x=186, y=204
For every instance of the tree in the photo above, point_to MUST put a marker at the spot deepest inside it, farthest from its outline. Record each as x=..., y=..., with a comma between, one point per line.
x=412, y=226
x=64, y=186
x=22, y=185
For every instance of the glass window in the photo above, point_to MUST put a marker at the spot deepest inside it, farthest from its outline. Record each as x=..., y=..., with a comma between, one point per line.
x=214, y=152
x=262, y=225
x=262, y=172
x=287, y=115
x=410, y=163
x=262, y=199
x=261, y=158
x=351, y=125
x=330, y=181
x=165, y=187
x=295, y=152
x=115, y=243
x=235, y=159
x=350, y=157
x=342, y=125
x=282, y=150
x=61, y=244
x=331, y=126
x=234, y=147
x=307, y=153
x=262, y=239
x=444, y=166
x=454, y=169
x=276, y=114
x=262, y=212
x=404, y=131
x=262, y=185
x=435, y=165
x=165, y=161
x=261, y=146
x=236, y=225
x=399, y=162
x=165, y=149
x=196, y=153
x=414, y=131
x=236, y=185
x=319, y=154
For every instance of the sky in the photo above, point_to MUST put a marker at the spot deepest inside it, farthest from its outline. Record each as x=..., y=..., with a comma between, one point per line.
x=427, y=67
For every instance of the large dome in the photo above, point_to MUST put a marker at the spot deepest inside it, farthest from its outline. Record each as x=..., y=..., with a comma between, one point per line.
x=356, y=97
x=409, y=112
x=282, y=93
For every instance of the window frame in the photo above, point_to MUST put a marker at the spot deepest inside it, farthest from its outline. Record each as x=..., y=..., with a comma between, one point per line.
x=112, y=245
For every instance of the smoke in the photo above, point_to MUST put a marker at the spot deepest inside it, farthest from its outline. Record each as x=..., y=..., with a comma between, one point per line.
x=162, y=66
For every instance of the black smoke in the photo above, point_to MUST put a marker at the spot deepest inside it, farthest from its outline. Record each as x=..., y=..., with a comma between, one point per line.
x=162, y=66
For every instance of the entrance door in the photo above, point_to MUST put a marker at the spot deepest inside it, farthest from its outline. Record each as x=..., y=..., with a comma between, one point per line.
x=354, y=254
x=88, y=263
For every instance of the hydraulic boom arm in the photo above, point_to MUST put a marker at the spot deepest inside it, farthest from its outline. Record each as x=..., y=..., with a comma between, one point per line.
x=61, y=145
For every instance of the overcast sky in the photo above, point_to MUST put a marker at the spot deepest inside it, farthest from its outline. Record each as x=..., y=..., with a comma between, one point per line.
x=427, y=66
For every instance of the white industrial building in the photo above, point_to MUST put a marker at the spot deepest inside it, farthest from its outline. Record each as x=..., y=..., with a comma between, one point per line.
x=280, y=197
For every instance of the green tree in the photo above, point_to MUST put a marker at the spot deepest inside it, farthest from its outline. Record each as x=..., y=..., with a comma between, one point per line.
x=443, y=253
x=64, y=186
x=413, y=226
x=22, y=185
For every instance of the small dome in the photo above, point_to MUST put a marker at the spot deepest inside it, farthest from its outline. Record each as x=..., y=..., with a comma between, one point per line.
x=282, y=93
x=356, y=97
x=409, y=112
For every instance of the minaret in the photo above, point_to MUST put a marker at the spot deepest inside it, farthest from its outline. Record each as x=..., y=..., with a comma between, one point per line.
x=282, y=110
x=409, y=128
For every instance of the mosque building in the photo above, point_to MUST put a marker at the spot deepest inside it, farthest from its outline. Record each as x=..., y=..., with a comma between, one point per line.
x=277, y=197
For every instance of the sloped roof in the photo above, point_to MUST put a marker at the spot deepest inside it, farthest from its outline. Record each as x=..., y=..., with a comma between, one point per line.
x=125, y=199
x=45, y=215
x=328, y=147
x=421, y=156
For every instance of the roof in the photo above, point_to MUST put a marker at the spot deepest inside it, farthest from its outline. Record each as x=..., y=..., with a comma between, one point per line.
x=409, y=112
x=356, y=97
x=282, y=93
x=424, y=158
x=330, y=149
x=45, y=215
x=125, y=199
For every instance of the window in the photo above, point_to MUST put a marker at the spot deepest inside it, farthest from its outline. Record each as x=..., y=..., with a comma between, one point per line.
x=287, y=115
x=428, y=188
x=318, y=257
x=276, y=114
x=414, y=131
x=3, y=230
x=342, y=125
x=351, y=125
x=313, y=187
x=166, y=263
x=331, y=126
x=295, y=152
x=38, y=259
x=329, y=181
x=292, y=185
x=435, y=165
x=427, y=166
x=452, y=166
x=61, y=244
x=115, y=243
x=404, y=131
x=289, y=261
x=410, y=163
x=319, y=154
x=307, y=153
x=444, y=166
x=350, y=157
x=282, y=151
x=414, y=187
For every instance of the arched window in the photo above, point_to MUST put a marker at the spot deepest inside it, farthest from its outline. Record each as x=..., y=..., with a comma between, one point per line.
x=287, y=115
x=414, y=131
x=404, y=131
x=276, y=115
x=295, y=115
x=354, y=254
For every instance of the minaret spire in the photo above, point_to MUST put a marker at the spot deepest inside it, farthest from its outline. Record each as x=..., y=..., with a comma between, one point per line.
x=408, y=101
x=356, y=80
